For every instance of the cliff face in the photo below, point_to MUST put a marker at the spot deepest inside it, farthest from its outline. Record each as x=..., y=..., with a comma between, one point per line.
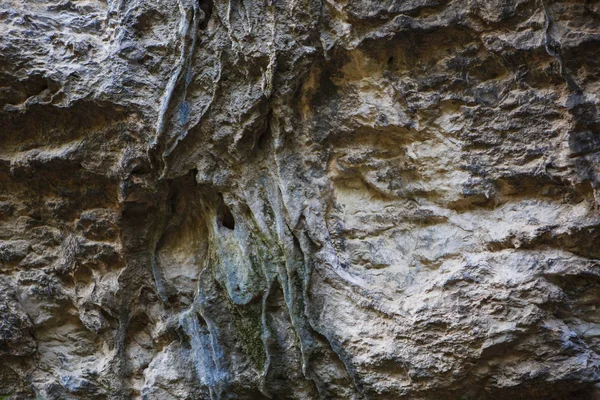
x=299, y=199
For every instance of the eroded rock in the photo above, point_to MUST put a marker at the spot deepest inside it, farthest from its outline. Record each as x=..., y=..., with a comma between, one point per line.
x=299, y=199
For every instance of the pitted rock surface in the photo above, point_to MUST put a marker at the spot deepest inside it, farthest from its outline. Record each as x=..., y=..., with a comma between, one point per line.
x=299, y=199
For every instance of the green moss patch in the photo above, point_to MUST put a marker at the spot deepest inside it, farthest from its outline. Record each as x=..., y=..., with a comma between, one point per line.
x=248, y=325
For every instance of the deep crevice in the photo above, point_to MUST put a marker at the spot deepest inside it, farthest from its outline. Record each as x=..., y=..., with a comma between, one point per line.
x=224, y=215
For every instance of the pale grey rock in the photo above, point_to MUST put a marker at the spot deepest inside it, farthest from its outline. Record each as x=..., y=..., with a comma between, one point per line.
x=295, y=199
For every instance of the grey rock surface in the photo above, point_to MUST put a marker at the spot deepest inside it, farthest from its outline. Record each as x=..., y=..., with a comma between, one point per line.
x=299, y=199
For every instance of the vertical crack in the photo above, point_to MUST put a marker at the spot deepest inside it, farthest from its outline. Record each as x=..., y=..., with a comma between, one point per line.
x=552, y=47
x=192, y=15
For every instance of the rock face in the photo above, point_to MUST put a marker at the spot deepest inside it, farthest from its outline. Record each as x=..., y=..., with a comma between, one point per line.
x=299, y=199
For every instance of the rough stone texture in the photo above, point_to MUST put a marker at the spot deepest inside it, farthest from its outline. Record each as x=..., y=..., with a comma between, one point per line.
x=299, y=199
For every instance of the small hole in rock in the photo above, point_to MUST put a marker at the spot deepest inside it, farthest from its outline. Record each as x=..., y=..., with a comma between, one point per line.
x=206, y=7
x=224, y=215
